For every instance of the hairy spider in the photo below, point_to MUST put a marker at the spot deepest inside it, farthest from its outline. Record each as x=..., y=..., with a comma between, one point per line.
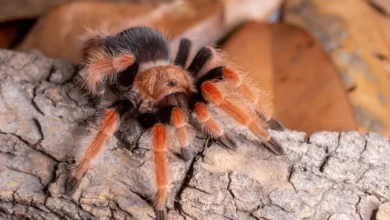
x=133, y=74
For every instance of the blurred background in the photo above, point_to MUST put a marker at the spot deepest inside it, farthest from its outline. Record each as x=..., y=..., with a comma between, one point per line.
x=325, y=62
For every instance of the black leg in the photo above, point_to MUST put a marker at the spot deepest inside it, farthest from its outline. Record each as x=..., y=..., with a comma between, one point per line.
x=213, y=74
x=183, y=52
x=201, y=58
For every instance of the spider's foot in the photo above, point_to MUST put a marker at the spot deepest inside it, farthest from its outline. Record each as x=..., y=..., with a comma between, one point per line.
x=274, y=146
x=185, y=153
x=275, y=125
x=161, y=214
x=227, y=142
x=71, y=184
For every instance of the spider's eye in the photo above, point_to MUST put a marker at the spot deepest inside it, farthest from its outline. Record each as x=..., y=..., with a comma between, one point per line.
x=172, y=84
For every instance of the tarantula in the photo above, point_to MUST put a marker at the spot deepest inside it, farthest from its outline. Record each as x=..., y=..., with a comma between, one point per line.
x=133, y=74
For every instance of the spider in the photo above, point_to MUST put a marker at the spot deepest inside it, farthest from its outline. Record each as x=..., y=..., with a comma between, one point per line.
x=133, y=74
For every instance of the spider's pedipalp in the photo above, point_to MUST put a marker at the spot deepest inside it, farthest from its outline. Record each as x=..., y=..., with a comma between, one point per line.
x=160, y=146
x=213, y=95
x=212, y=127
x=183, y=52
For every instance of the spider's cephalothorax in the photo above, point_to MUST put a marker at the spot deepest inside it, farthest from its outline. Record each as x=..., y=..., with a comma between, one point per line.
x=133, y=74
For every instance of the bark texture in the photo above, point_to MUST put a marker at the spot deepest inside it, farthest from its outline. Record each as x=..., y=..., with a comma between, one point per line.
x=43, y=114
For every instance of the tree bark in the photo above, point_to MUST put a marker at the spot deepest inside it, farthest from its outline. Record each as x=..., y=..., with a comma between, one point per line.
x=45, y=115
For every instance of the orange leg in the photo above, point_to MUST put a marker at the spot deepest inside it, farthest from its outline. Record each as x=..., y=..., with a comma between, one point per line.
x=106, y=130
x=179, y=120
x=161, y=168
x=212, y=94
x=212, y=127
x=260, y=102
x=101, y=66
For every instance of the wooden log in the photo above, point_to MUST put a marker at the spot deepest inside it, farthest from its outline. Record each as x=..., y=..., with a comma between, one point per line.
x=326, y=175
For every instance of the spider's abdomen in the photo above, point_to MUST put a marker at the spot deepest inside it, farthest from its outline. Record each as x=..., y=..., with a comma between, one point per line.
x=145, y=43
